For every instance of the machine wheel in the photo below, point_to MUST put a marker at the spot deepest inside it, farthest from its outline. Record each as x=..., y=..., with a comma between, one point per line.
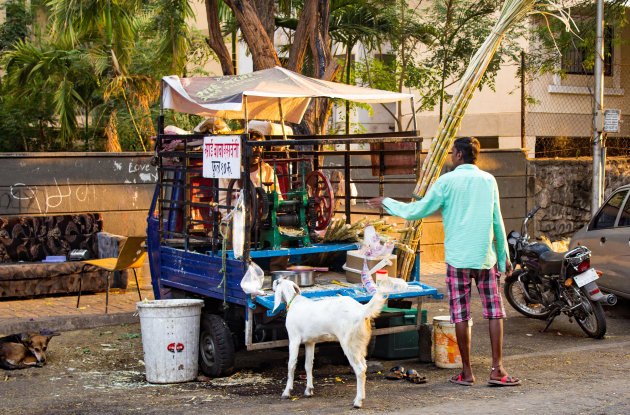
x=591, y=317
x=514, y=293
x=216, y=348
x=319, y=190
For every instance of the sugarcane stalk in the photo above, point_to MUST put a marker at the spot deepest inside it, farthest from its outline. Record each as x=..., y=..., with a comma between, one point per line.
x=511, y=12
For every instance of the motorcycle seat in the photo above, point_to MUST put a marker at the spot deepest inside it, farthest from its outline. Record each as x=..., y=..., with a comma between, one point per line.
x=551, y=262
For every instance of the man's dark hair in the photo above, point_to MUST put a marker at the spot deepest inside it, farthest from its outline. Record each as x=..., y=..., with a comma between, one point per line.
x=469, y=147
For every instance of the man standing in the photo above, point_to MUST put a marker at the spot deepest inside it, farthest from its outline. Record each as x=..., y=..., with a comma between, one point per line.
x=469, y=201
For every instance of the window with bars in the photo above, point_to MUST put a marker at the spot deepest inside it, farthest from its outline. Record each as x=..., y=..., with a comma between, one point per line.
x=574, y=57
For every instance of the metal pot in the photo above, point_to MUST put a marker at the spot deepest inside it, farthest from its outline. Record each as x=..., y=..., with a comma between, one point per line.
x=303, y=278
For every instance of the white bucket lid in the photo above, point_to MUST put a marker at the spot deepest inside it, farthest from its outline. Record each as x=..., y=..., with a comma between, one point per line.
x=170, y=303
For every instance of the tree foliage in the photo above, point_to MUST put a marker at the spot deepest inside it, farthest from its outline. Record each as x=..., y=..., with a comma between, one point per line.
x=94, y=77
x=552, y=40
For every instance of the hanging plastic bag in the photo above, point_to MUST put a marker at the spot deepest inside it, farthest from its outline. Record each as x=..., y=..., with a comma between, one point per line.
x=238, y=227
x=253, y=279
x=371, y=242
x=366, y=278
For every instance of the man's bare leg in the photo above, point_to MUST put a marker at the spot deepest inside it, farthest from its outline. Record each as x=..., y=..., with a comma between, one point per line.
x=463, y=342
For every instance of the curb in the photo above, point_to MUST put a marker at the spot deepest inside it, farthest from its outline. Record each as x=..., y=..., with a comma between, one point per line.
x=67, y=323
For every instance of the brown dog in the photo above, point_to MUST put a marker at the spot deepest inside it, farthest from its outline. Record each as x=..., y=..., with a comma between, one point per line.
x=19, y=351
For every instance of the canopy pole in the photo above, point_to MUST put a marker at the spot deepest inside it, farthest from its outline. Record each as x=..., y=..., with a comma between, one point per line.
x=161, y=97
x=284, y=133
x=413, y=114
x=246, y=126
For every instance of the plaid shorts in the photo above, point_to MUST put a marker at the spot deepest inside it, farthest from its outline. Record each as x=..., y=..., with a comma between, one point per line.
x=459, y=282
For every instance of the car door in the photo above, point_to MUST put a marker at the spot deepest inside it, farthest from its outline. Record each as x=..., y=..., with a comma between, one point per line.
x=618, y=243
x=604, y=238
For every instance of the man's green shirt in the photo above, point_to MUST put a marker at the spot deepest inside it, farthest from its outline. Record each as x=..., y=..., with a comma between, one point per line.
x=471, y=215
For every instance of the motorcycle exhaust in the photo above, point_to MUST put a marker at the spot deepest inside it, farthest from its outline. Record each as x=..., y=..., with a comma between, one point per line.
x=611, y=299
x=595, y=294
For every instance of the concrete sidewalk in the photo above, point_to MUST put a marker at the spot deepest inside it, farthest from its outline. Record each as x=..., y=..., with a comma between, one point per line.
x=61, y=314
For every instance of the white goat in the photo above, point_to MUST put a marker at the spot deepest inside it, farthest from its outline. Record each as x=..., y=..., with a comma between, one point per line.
x=341, y=319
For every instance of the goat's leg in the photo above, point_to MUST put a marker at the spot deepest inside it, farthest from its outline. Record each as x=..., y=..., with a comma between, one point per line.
x=356, y=358
x=294, y=348
x=309, y=355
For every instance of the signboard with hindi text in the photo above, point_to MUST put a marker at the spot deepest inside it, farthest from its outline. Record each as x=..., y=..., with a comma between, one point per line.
x=222, y=157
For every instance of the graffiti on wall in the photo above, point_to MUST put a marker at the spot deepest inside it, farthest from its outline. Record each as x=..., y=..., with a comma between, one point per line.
x=21, y=197
x=146, y=173
x=65, y=194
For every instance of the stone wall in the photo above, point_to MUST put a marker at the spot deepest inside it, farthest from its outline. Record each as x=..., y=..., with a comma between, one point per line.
x=563, y=191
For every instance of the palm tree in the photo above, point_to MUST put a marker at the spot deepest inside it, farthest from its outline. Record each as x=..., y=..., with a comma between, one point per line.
x=64, y=71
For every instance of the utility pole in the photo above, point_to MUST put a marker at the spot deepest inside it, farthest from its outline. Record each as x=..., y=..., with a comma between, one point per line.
x=599, y=156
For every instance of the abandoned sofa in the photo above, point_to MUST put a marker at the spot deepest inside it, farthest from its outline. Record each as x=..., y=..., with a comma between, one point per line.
x=26, y=241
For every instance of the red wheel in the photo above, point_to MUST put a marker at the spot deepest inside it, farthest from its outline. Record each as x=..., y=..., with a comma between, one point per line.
x=319, y=189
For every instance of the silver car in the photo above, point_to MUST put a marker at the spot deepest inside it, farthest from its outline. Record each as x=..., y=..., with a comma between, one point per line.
x=607, y=235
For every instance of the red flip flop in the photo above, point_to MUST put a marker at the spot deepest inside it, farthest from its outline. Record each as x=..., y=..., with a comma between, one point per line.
x=505, y=381
x=460, y=381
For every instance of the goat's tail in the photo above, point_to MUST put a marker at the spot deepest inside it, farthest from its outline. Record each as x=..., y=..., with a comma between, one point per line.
x=374, y=307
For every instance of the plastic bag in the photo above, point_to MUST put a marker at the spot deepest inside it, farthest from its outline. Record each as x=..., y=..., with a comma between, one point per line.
x=392, y=285
x=238, y=228
x=253, y=279
x=372, y=247
x=367, y=279
x=371, y=242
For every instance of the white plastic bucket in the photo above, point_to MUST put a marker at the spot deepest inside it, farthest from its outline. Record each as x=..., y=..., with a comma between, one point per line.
x=445, y=351
x=170, y=339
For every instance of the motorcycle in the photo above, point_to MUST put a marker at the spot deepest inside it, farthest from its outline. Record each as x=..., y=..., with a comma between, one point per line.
x=545, y=283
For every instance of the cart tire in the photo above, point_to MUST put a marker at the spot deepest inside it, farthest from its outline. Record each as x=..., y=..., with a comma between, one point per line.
x=216, y=348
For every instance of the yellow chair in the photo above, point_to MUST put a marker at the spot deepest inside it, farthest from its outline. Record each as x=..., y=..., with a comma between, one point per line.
x=131, y=256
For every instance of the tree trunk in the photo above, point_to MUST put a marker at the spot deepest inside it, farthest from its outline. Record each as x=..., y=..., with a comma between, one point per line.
x=324, y=65
x=215, y=40
x=260, y=46
x=266, y=14
x=305, y=27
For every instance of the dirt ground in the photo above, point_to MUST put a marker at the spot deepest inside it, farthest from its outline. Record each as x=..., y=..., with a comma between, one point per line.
x=100, y=371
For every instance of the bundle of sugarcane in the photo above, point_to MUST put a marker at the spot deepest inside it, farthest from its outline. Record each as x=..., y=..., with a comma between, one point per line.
x=340, y=231
x=512, y=12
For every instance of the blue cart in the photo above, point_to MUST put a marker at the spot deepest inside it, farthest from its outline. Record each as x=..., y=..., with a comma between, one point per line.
x=190, y=257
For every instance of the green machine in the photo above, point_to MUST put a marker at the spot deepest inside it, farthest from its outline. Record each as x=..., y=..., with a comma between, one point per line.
x=305, y=204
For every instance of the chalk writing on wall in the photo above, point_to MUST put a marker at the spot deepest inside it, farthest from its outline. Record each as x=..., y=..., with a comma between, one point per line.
x=20, y=197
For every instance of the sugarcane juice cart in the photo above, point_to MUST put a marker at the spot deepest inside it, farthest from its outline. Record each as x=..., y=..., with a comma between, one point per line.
x=190, y=251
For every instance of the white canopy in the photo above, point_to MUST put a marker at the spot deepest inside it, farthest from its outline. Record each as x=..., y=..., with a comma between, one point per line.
x=224, y=96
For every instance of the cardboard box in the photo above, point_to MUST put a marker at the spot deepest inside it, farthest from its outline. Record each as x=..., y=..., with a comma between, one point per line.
x=354, y=265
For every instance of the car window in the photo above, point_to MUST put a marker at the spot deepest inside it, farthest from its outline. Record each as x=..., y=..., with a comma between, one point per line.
x=608, y=213
x=624, y=219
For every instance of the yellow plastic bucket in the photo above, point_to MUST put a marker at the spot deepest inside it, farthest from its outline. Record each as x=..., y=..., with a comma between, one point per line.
x=445, y=352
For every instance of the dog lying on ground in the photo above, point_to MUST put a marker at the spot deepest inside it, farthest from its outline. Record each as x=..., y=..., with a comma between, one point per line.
x=19, y=351
x=341, y=319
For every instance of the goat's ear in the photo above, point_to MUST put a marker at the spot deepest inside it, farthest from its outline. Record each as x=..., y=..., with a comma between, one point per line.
x=296, y=288
x=277, y=299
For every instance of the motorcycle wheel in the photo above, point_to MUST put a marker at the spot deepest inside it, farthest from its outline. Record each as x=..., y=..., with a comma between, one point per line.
x=591, y=318
x=514, y=293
